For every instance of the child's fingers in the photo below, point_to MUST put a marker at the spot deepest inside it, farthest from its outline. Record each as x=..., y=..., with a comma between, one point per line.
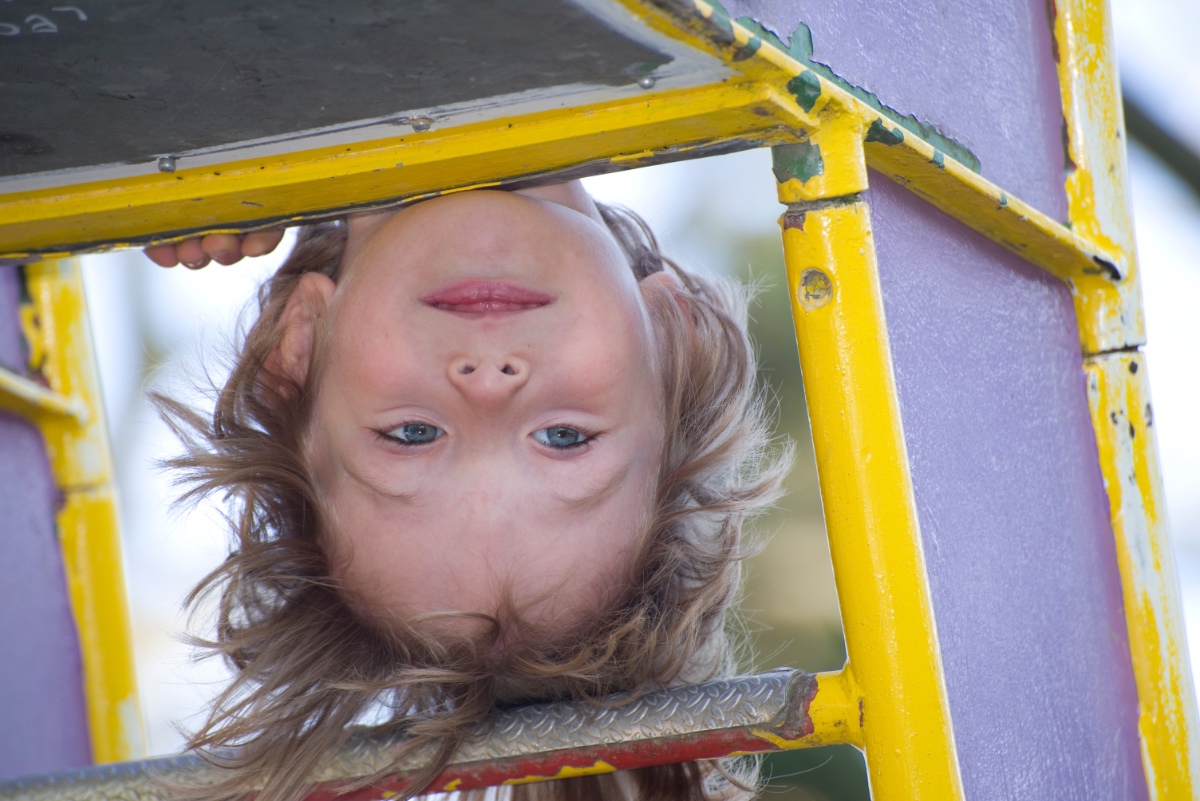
x=191, y=253
x=260, y=243
x=224, y=248
x=162, y=255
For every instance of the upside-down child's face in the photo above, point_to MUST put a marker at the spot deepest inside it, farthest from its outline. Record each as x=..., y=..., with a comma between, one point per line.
x=488, y=418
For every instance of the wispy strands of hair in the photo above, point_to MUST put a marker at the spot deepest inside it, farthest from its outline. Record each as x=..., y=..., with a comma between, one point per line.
x=308, y=664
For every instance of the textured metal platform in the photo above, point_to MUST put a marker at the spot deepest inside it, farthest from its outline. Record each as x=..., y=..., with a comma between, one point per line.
x=740, y=715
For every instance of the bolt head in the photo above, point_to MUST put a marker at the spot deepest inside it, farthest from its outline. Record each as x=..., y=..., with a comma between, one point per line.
x=166, y=164
x=647, y=82
x=420, y=124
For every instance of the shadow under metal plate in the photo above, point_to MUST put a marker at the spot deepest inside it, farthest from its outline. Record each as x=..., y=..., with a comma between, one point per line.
x=129, y=81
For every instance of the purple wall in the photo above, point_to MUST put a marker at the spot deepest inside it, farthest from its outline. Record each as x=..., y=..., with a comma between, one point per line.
x=42, y=712
x=981, y=71
x=12, y=347
x=1014, y=517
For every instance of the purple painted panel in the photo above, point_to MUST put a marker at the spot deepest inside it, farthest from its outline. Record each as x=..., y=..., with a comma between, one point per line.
x=12, y=346
x=41, y=676
x=981, y=71
x=1014, y=517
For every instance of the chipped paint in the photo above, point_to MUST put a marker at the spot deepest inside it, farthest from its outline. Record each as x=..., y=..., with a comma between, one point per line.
x=806, y=88
x=800, y=162
x=1118, y=395
x=566, y=772
x=77, y=443
x=1094, y=161
x=800, y=47
x=878, y=132
x=748, y=49
x=939, y=159
x=1112, y=322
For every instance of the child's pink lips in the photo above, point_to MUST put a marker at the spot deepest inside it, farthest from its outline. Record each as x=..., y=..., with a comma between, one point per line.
x=478, y=296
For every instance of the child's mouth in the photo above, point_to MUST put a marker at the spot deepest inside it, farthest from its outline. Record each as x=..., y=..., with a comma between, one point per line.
x=477, y=296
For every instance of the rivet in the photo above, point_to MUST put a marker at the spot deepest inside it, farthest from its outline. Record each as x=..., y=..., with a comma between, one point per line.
x=421, y=124
x=166, y=164
x=647, y=82
x=815, y=289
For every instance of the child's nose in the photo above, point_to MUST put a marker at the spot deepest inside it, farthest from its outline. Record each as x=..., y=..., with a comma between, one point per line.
x=488, y=380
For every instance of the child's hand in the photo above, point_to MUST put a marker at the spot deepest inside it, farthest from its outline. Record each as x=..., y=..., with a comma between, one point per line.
x=222, y=248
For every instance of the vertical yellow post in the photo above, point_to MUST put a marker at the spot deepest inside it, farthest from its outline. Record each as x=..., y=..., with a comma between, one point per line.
x=79, y=455
x=862, y=464
x=1112, y=330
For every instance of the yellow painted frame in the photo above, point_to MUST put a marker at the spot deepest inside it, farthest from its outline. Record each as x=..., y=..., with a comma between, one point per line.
x=1119, y=396
x=70, y=416
x=897, y=681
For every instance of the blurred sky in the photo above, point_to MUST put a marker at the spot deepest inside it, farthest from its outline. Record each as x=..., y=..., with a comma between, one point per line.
x=161, y=329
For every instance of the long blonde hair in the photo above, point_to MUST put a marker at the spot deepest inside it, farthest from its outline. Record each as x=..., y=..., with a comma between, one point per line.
x=308, y=664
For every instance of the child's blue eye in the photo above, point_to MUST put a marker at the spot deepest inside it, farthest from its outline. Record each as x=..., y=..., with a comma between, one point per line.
x=415, y=433
x=561, y=437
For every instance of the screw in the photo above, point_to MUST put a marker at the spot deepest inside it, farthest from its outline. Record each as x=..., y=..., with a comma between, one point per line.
x=647, y=82
x=420, y=124
x=166, y=164
x=815, y=289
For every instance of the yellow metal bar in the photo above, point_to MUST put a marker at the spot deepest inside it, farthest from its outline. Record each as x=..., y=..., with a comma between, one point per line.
x=1093, y=261
x=1096, y=184
x=29, y=398
x=1119, y=396
x=867, y=492
x=79, y=456
x=289, y=187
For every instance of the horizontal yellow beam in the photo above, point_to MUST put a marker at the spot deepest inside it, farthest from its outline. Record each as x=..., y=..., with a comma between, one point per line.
x=291, y=187
x=29, y=398
x=1093, y=263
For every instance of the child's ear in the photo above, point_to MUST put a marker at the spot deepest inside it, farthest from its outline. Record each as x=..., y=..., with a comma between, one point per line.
x=307, y=306
x=667, y=280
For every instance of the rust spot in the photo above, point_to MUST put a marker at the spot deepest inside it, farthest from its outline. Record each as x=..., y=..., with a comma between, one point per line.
x=1133, y=367
x=761, y=112
x=860, y=713
x=793, y=721
x=1132, y=431
x=793, y=219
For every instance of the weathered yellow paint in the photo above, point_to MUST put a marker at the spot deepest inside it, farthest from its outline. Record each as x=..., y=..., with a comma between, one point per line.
x=835, y=712
x=29, y=398
x=78, y=448
x=1112, y=320
x=450, y=787
x=870, y=512
x=1119, y=396
x=568, y=772
x=843, y=170
x=1087, y=257
x=1097, y=187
